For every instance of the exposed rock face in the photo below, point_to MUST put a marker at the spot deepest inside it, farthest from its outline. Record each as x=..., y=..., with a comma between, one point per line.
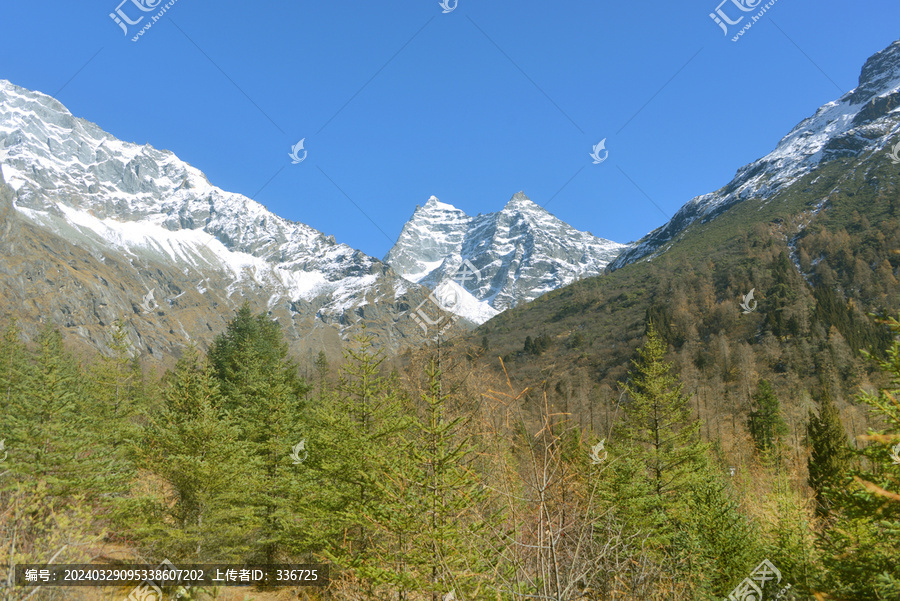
x=519, y=253
x=93, y=229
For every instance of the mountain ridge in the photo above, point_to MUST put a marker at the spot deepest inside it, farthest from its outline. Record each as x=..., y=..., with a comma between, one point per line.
x=160, y=246
x=518, y=253
x=166, y=228
x=857, y=121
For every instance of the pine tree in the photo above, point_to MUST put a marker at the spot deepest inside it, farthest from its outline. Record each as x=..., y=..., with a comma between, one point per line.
x=829, y=451
x=529, y=348
x=766, y=424
x=15, y=370
x=322, y=371
x=256, y=335
x=780, y=296
x=48, y=422
x=46, y=513
x=13, y=360
x=115, y=391
x=393, y=551
x=716, y=543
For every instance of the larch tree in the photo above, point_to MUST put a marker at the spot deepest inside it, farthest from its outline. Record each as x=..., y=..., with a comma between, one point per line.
x=659, y=427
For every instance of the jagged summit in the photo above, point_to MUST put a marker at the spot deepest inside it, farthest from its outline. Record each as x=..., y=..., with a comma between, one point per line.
x=519, y=199
x=434, y=204
x=520, y=253
x=436, y=208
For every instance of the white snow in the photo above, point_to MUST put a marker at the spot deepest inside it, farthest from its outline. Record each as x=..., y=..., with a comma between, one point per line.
x=458, y=300
x=78, y=181
x=521, y=252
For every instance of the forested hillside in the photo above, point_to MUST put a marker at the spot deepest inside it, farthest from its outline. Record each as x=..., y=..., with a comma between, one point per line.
x=823, y=259
x=432, y=481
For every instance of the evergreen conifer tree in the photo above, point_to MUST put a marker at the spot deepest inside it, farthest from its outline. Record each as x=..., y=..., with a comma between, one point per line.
x=765, y=423
x=322, y=371
x=14, y=371
x=193, y=447
x=355, y=444
x=48, y=421
x=13, y=365
x=115, y=392
x=449, y=499
x=829, y=451
x=715, y=543
x=264, y=394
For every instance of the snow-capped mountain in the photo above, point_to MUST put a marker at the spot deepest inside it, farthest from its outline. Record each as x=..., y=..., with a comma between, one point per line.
x=497, y=260
x=862, y=123
x=157, y=243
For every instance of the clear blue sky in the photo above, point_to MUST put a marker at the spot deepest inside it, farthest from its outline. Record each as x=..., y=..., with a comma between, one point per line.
x=398, y=101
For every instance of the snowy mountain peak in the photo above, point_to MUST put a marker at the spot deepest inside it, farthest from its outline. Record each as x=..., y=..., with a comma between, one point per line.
x=519, y=253
x=435, y=206
x=520, y=203
x=519, y=199
x=72, y=179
